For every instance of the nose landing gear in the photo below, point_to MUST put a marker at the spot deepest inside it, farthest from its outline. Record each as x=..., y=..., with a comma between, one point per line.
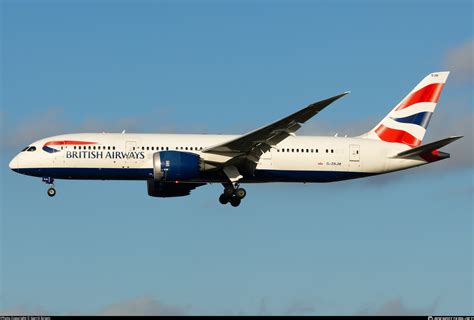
x=233, y=195
x=51, y=190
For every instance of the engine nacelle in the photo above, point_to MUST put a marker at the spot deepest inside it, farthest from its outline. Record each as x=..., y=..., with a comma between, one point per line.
x=169, y=189
x=176, y=166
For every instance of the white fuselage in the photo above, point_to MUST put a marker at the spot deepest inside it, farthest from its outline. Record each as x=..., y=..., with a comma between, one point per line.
x=130, y=157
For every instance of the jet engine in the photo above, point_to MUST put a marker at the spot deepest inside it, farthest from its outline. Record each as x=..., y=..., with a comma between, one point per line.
x=176, y=166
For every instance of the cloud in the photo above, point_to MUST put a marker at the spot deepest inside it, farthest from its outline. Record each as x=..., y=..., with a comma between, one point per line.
x=24, y=310
x=460, y=62
x=300, y=308
x=140, y=306
x=16, y=134
x=396, y=307
x=143, y=306
x=296, y=308
x=263, y=309
x=55, y=122
x=148, y=306
x=455, y=119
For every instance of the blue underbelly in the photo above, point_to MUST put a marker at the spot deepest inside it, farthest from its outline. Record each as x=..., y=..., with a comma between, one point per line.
x=147, y=173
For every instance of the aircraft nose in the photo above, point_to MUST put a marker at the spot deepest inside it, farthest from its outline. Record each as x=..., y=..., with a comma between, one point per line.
x=14, y=164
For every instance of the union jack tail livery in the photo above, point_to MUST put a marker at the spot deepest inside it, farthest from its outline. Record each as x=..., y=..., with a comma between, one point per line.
x=407, y=122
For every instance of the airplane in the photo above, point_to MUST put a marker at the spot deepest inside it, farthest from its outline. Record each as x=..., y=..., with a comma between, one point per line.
x=175, y=164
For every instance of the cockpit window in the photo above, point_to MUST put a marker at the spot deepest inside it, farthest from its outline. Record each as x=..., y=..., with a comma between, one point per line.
x=25, y=149
x=31, y=149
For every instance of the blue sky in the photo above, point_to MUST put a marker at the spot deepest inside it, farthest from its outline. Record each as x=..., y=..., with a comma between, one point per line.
x=395, y=244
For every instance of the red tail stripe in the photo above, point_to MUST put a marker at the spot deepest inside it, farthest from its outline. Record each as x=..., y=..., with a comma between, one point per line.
x=400, y=136
x=430, y=93
x=68, y=142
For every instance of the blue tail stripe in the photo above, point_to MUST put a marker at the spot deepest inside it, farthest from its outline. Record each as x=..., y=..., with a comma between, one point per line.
x=421, y=119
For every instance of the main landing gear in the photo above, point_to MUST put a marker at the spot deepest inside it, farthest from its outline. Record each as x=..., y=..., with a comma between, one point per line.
x=233, y=195
x=51, y=190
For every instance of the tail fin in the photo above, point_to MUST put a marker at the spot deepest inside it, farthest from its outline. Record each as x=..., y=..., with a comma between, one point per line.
x=407, y=122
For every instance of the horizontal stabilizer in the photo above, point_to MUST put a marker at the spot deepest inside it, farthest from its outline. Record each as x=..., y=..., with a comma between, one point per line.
x=427, y=149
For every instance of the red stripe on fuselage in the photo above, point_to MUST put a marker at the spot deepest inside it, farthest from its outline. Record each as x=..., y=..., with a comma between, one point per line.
x=430, y=93
x=392, y=135
x=68, y=142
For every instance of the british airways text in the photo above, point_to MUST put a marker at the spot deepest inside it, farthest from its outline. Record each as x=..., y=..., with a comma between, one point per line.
x=104, y=155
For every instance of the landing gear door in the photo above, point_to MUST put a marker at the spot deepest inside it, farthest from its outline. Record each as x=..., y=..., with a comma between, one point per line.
x=354, y=153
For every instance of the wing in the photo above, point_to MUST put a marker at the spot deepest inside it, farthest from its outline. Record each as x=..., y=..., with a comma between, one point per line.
x=252, y=145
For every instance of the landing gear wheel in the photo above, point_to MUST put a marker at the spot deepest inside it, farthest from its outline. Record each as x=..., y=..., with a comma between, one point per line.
x=51, y=192
x=228, y=191
x=240, y=193
x=235, y=202
x=223, y=199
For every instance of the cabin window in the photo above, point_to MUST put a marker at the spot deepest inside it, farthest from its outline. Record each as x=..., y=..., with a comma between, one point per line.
x=113, y=148
x=332, y=150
